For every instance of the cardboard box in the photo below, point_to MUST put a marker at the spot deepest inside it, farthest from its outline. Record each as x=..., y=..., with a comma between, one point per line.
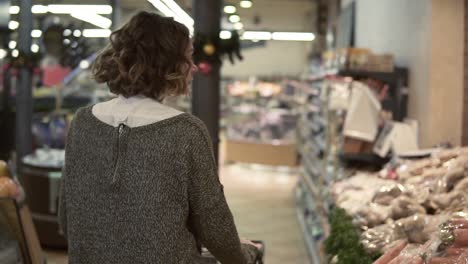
x=266, y=154
x=356, y=146
x=351, y=145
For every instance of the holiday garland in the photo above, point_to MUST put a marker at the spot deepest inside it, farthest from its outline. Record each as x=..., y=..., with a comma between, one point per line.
x=210, y=50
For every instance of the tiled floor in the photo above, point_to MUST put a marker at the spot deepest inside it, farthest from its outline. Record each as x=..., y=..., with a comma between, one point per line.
x=263, y=207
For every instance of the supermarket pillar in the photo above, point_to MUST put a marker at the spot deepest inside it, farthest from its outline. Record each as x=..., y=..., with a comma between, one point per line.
x=206, y=87
x=24, y=101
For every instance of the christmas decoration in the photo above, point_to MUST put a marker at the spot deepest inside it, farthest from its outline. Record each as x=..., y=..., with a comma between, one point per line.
x=205, y=67
x=210, y=49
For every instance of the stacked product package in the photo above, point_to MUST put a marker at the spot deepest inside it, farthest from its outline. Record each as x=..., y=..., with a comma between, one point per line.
x=414, y=210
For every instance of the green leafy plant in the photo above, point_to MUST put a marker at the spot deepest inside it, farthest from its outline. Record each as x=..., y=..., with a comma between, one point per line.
x=344, y=241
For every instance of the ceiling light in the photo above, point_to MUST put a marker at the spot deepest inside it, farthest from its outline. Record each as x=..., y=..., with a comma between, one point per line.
x=3, y=53
x=257, y=35
x=66, y=41
x=94, y=19
x=246, y=3
x=67, y=32
x=35, y=48
x=36, y=33
x=96, y=33
x=15, y=53
x=12, y=44
x=230, y=9
x=179, y=12
x=77, y=33
x=84, y=64
x=13, y=25
x=14, y=10
x=238, y=26
x=162, y=8
x=224, y=34
x=234, y=18
x=39, y=9
x=294, y=36
x=68, y=9
x=171, y=9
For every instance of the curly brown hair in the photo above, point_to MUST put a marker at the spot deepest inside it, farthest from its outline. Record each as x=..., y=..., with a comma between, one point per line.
x=147, y=56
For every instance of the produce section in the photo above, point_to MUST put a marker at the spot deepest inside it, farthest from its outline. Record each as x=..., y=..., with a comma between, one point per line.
x=356, y=205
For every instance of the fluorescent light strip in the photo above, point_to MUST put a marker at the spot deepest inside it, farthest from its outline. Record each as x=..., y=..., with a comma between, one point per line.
x=92, y=18
x=84, y=64
x=13, y=25
x=256, y=35
x=293, y=36
x=287, y=36
x=35, y=48
x=14, y=10
x=188, y=22
x=12, y=44
x=66, y=9
x=96, y=33
x=36, y=33
x=234, y=18
x=39, y=9
x=162, y=8
x=77, y=33
x=230, y=9
x=246, y=4
x=3, y=53
x=224, y=34
x=179, y=12
x=238, y=26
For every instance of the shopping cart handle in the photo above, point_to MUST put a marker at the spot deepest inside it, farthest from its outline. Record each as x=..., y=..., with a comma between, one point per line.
x=261, y=254
x=259, y=260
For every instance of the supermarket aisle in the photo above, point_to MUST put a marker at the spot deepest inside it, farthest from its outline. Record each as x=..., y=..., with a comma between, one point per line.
x=263, y=206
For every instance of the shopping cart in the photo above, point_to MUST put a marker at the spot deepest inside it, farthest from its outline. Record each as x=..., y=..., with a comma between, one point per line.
x=210, y=259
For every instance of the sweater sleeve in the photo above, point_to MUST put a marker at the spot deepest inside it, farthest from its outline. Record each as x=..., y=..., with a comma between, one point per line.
x=62, y=213
x=210, y=216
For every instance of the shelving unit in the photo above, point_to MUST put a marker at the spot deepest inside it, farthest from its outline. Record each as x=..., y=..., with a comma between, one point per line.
x=316, y=145
x=260, y=127
x=397, y=82
x=310, y=241
x=319, y=141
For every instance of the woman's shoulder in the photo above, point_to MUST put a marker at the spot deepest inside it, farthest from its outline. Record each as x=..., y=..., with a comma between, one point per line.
x=194, y=121
x=194, y=125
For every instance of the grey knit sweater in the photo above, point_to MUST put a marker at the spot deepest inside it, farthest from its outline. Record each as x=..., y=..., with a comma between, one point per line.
x=146, y=194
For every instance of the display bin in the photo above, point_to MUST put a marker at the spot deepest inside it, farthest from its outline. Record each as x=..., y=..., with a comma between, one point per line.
x=42, y=187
